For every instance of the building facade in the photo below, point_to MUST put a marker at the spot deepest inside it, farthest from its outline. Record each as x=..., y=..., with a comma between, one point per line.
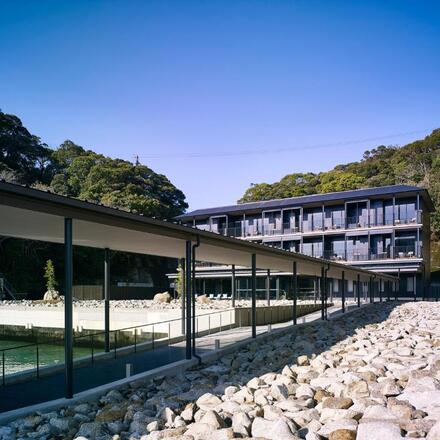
x=384, y=229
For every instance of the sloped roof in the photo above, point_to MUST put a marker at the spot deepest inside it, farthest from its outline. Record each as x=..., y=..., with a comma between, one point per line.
x=310, y=199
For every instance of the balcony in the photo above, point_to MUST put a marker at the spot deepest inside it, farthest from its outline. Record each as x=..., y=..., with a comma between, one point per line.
x=290, y=229
x=409, y=220
x=356, y=222
x=331, y=254
x=405, y=251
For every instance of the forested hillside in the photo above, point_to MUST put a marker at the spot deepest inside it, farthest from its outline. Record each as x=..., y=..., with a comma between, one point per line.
x=75, y=171
x=417, y=163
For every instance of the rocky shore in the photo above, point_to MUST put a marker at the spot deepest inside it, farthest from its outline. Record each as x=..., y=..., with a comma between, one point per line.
x=371, y=375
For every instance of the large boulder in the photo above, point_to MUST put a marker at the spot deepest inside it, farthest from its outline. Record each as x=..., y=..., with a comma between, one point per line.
x=203, y=299
x=51, y=295
x=163, y=297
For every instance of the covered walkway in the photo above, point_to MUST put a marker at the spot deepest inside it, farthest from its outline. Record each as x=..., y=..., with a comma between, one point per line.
x=38, y=215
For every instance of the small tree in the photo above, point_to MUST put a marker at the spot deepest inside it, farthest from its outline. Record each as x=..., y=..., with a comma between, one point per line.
x=180, y=280
x=49, y=275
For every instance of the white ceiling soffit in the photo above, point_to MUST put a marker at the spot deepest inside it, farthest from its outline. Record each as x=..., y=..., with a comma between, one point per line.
x=35, y=225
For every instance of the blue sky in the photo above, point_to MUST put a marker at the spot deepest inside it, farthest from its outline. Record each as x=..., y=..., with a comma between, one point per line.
x=175, y=81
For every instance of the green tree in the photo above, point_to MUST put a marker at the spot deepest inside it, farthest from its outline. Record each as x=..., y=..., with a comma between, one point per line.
x=49, y=275
x=23, y=158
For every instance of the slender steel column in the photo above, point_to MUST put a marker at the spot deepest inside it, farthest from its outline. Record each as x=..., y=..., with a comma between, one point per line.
x=380, y=289
x=295, y=292
x=107, y=300
x=188, y=298
x=68, y=308
x=388, y=287
x=233, y=286
x=254, y=295
x=322, y=293
x=358, y=287
x=182, y=295
x=343, y=291
x=370, y=290
x=268, y=287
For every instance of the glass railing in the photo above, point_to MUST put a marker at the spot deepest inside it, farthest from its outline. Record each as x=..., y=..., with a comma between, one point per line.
x=356, y=222
x=272, y=230
x=374, y=255
x=335, y=224
x=288, y=228
x=334, y=255
x=357, y=256
x=406, y=220
x=405, y=251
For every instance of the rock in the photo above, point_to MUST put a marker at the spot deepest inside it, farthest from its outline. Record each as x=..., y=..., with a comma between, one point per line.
x=163, y=297
x=378, y=430
x=357, y=389
x=51, y=295
x=241, y=424
x=89, y=430
x=302, y=360
x=208, y=401
x=212, y=419
x=337, y=403
x=168, y=415
x=168, y=434
x=203, y=299
x=199, y=430
x=434, y=432
x=111, y=413
x=62, y=424
x=342, y=434
x=271, y=430
x=279, y=391
x=336, y=425
x=222, y=434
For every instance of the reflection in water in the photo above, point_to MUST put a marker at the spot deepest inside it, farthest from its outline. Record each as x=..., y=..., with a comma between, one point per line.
x=20, y=359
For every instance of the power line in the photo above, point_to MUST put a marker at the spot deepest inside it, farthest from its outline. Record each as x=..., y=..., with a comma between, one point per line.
x=279, y=150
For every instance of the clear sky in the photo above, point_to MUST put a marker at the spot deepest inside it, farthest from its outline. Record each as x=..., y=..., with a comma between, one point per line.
x=188, y=84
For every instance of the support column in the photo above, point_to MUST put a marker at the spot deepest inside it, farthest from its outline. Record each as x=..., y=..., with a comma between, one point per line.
x=182, y=295
x=188, y=298
x=254, y=295
x=295, y=292
x=380, y=289
x=343, y=291
x=370, y=289
x=322, y=293
x=233, y=286
x=68, y=308
x=358, y=288
x=277, y=287
x=107, y=300
x=268, y=287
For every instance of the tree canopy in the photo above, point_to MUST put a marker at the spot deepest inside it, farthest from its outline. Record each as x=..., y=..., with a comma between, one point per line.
x=417, y=163
x=73, y=171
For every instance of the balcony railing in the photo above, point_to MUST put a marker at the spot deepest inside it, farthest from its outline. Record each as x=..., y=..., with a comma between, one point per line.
x=356, y=222
x=334, y=255
x=288, y=228
x=405, y=251
x=415, y=219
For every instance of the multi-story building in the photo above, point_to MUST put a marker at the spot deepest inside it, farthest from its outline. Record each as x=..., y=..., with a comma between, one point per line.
x=384, y=229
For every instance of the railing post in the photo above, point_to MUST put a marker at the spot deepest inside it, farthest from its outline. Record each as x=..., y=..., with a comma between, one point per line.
x=343, y=291
x=254, y=295
x=107, y=300
x=295, y=292
x=188, y=298
x=38, y=363
x=322, y=293
x=268, y=287
x=233, y=286
x=68, y=308
x=182, y=294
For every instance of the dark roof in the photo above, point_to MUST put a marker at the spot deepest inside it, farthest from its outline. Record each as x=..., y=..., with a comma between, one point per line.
x=311, y=199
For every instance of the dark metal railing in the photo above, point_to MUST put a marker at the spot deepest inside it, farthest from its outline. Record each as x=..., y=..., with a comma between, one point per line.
x=147, y=336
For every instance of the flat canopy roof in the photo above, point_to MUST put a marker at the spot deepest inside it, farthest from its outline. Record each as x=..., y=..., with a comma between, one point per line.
x=38, y=215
